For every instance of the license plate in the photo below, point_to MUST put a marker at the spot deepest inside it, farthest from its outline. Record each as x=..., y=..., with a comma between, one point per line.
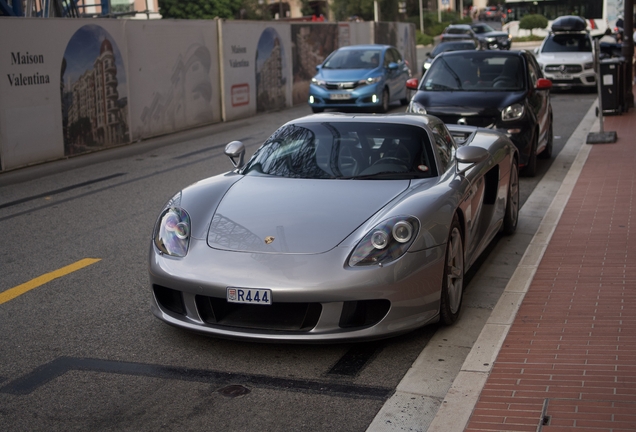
x=339, y=96
x=249, y=296
x=564, y=76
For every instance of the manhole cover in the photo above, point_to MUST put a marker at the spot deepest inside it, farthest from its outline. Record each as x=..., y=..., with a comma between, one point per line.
x=233, y=391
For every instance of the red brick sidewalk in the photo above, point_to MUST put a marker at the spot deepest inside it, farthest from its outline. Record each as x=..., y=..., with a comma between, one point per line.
x=569, y=360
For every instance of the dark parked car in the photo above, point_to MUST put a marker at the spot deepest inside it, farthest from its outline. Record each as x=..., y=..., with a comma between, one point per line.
x=447, y=46
x=456, y=32
x=502, y=90
x=360, y=77
x=491, y=38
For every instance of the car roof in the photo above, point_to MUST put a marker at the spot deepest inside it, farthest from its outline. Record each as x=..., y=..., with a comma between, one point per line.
x=398, y=118
x=459, y=26
x=485, y=53
x=364, y=46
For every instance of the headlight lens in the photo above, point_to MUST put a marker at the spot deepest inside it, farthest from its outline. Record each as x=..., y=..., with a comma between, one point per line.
x=172, y=232
x=370, y=80
x=513, y=112
x=415, y=108
x=589, y=65
x=386, y=242
x=318, y=82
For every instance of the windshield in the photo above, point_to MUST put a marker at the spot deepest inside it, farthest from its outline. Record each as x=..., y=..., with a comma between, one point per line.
x=572, y=42
x=475, y=71
x=482, y=28
x=345, y=150
x=452, y=46
x=353, y=59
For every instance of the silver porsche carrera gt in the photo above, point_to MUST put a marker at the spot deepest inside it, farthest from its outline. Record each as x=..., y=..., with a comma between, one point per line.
x=339, y=228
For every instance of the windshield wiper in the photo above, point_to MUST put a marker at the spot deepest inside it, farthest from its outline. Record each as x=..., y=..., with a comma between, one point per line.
x=393, y=175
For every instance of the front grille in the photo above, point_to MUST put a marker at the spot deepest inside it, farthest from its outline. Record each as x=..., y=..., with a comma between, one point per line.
x=341, y=85
x=300, y=317
x=567, y=68
x=479, y=121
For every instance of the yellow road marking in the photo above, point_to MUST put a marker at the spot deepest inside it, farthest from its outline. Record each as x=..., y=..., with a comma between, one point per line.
x=14, y=292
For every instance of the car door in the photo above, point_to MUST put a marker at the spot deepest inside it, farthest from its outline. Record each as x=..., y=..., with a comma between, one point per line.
x=402, y=74
x=539, y=101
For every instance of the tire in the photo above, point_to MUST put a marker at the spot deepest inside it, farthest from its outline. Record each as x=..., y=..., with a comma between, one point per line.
x=547, y=151
x=317, y=110
x=530, y=170
x=385, y=101
x=511, y=217
x=453, y=279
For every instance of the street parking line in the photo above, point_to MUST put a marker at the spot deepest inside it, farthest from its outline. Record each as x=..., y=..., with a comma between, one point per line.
x=14, y=292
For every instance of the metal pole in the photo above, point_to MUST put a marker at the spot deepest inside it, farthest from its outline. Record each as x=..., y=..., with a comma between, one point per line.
x=599, y=86
x=628, y=50
x=421, y=18
x=375, y=11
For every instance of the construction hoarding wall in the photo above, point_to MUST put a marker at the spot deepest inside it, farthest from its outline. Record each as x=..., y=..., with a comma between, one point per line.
x=64, y=89
x=72, y=86
x=256, y=70
x=174, y=76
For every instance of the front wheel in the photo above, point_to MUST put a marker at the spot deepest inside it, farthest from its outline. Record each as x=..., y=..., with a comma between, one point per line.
x=453, y=280
x=547, y=151
x=511, y=217
x=530, y=170
x=385, y=100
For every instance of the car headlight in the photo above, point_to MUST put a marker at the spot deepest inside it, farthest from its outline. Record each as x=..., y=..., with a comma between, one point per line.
x=589, y=65
x=172, y=231
x=318, y=82
x=513, y=112
x=370, y=80
x=386, y=242
x=415, y=108
x=491, y=39
x=427, y=64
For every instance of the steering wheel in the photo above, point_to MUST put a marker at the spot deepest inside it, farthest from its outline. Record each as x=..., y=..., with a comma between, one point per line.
x=392, y=161
x=503, y=82
x=398, y=151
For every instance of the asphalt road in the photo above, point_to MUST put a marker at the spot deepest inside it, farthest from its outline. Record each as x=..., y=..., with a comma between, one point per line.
x=83, y=352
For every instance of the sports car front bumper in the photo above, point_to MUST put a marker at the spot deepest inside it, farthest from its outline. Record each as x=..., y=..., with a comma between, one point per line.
x=315, y=298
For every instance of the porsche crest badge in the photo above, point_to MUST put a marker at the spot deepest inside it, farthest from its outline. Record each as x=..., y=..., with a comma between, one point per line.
x=269, y=239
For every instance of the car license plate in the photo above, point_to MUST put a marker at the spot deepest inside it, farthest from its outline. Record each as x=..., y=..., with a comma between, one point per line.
x=339, y=96
x=564, y=76
x=249, y=295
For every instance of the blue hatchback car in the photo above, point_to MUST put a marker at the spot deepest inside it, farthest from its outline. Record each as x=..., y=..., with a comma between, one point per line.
x=360, y=77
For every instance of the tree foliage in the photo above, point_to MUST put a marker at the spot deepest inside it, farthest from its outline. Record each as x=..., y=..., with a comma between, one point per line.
x=200, y=9
x=533, y=21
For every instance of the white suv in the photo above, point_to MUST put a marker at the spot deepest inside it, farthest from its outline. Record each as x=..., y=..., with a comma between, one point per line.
x=566, y=55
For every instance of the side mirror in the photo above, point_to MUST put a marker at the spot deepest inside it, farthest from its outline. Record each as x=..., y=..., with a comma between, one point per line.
x=393, y=66
x=412, y=83
x=318, y=66
x=543, y=84
x=471, y=155
x=236, y=149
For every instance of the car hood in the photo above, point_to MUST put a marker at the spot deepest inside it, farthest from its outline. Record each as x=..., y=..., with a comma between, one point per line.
x=494, y=34
x=347, y=74
x=466, y=103
x=565, y=57
x=301, y=216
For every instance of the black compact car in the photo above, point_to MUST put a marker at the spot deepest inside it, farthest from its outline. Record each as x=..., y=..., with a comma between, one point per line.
x=501, y=90
x=491, y=38
x=457, y=32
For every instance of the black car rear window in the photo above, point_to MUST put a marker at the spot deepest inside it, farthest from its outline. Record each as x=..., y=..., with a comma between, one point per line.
x=475, y=71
